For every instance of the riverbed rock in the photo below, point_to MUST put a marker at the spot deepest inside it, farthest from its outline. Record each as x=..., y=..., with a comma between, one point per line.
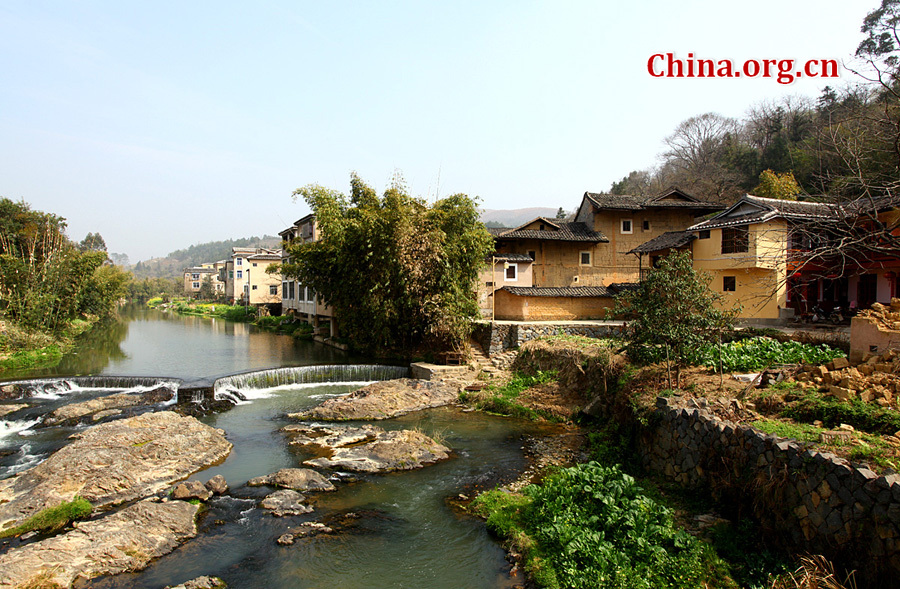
x=285, y=502
x=97, y=409
x=217, y=485
x=124, y=541
x=383, y=400
x=330, y=436
x=298, y=479
x=304, y=530
x=7, y=409
x=389, y=451
x=114, y=462
x=201, y=583
x=191, y=490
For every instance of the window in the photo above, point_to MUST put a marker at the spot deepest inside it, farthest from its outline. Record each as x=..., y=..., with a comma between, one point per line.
x=311, y=294
x=254, y=264
x=231, y=274
x=584, y=258
x=195, y=284
x=291, y=290
x=240, y=273
x=542, y=227
x=273, y=290
x=284, y=290
x=195, y=277
x=238, y=262
x=532, y=254
x=626, y=226
x=646, y=225
x=735, y=240
x=704, y=234
x=729, y=283
x=511, y=273
x=254, y=287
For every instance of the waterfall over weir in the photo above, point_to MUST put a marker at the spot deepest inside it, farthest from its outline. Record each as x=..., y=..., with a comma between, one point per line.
x=53, y=387
x=230, y=387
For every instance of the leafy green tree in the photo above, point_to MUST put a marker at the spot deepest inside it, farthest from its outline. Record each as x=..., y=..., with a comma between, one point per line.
x=93, y=242
x=399, y=273
x=674, y=309
x=561, y=213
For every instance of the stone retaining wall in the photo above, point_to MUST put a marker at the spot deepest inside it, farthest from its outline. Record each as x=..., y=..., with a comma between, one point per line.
x=500, y=337
x=812, y=501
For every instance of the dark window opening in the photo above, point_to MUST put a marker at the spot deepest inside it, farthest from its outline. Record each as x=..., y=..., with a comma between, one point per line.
x=704, y=234
x=735, y=240
x=729, y=283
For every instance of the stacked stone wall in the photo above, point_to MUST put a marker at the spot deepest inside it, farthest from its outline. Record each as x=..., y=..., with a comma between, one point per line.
x=811, y=501
x=502, y=337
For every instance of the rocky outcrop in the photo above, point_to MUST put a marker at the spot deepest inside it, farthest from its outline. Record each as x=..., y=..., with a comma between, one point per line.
x=124, y=541
x=102, y=407
x=217, y=485
x=113, y=463
x=7, y=409
x=304, y=530
x=298, y=479
x=191, y=490
x=285, y=502
x=201, y=583
x=328, y=437
x=383, y=400
x=388, y=451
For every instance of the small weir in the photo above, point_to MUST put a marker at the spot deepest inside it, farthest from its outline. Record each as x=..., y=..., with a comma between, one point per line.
x=53, y=387
x=233, y=388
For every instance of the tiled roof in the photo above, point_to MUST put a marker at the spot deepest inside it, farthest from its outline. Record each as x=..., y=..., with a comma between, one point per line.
x=568, y=231
x=511, y=258
x=276, y=255
x=627, y=202
x=620, y=287
x=550, y=291
x=763, y=209
x=668, y=240
x=495, y=231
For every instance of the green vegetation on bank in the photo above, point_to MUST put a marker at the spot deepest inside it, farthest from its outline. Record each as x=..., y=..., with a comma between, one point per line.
x=503, y=399
x=51, y=288
x=52, y=518
x=592, y=526
x=284, y=324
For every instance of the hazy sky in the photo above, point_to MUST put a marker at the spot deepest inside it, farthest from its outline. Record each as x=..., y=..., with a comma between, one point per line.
x=165, y=124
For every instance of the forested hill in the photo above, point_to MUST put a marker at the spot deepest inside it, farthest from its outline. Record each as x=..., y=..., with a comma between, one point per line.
x=174, y=263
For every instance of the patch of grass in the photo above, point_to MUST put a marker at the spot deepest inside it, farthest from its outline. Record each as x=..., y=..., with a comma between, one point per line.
x=832, y=412
x=502, y=400
x=52, y=518
x=801, y=432
x=40, y=358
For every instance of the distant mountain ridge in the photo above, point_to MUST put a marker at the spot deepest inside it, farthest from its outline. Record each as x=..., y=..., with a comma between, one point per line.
x=175, y=262
x=516, y=217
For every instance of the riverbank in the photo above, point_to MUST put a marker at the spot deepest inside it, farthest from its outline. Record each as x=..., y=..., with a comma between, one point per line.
x=25, y=349
x=752, y=529
x=281, y=324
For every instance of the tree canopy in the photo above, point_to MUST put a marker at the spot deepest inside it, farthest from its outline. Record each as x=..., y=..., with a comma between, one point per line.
x=674, y=310
x=399, y=273
x=45, y=279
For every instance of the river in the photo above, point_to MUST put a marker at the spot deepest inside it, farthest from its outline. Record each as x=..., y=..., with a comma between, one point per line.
x=400, y=532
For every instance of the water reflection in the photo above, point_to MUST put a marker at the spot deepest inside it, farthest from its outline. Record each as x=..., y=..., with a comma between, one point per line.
x=147, y=342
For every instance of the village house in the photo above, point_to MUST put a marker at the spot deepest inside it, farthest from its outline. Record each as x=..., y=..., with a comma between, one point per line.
x=574, y=269
x=246, y=279
x=195, y=277
x=298, y=299
x=757, y=253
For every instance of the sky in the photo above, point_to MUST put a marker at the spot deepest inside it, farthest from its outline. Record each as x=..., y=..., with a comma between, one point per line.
x=166, y=124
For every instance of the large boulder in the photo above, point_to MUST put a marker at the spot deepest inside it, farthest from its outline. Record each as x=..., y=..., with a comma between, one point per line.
x=121, y=542
x=389, y=451
x=298, y=479
x=383, y=400
x=101, y=407
x=285, y=502
x=330, y=436
x=113, y=463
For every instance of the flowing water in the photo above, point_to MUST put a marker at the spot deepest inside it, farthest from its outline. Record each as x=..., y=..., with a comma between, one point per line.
x=394, y=530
